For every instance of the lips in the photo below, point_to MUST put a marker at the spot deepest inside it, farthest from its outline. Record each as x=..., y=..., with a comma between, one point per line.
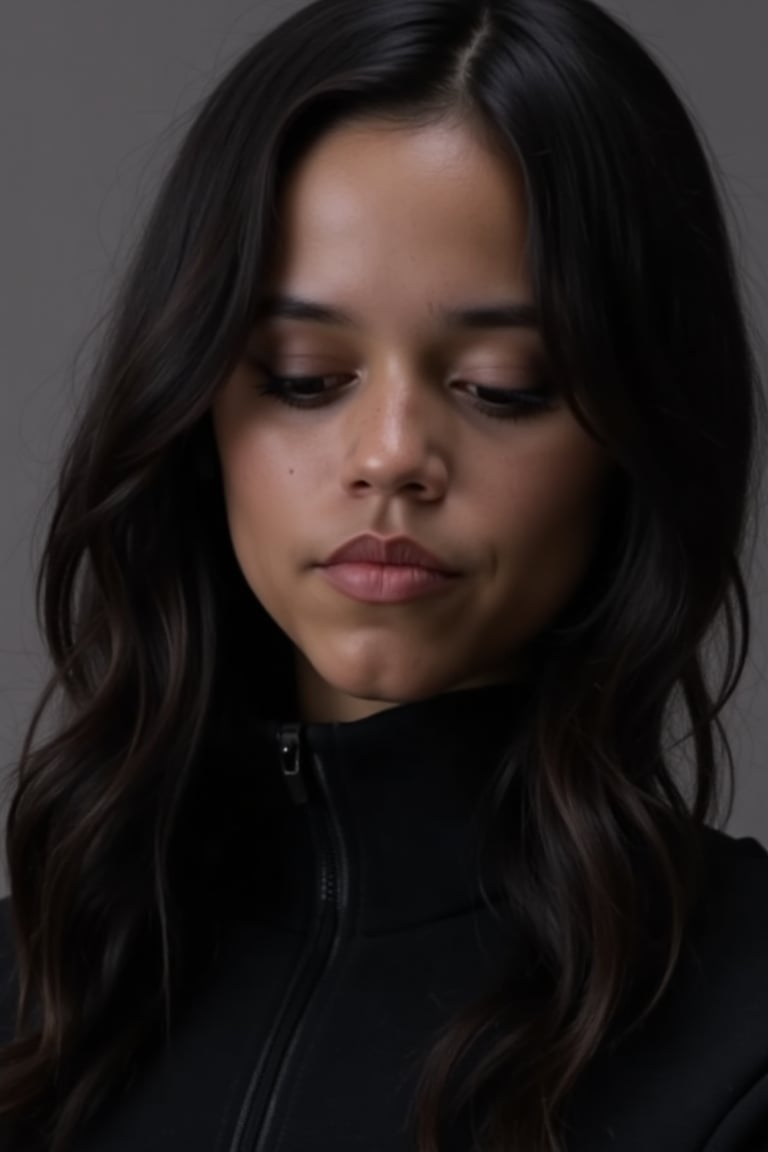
x=394, y=550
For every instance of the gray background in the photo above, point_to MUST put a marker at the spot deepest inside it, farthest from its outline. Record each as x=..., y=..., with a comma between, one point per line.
x=94, y=97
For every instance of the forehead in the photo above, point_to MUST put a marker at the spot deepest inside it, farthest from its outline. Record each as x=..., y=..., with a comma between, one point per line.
x=402, y=218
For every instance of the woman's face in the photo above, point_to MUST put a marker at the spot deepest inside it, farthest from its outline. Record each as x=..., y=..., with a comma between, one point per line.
x=407, y=427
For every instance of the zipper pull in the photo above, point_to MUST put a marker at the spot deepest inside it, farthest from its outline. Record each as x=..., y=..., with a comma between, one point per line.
x=289, y=747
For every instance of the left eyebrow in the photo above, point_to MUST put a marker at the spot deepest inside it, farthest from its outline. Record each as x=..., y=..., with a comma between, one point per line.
x=492, y=315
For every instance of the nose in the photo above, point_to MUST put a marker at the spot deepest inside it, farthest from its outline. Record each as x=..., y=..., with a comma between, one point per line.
x=395, y=440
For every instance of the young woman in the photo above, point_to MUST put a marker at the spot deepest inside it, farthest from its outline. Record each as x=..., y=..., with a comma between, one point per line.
x=413, y=484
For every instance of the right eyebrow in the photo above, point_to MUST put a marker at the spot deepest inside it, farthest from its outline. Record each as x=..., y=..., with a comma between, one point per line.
x=501, y=314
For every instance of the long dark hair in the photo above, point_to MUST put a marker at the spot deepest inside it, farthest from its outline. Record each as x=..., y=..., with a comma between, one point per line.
x=153, y=631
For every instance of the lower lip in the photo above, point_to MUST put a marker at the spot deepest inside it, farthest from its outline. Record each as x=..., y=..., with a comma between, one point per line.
x=385, y=583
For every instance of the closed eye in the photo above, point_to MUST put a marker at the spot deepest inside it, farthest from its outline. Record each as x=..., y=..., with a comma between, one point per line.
x=499, y=403
x=512, y=403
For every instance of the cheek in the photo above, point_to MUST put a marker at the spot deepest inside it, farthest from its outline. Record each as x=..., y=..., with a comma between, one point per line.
x=263, y=480
x=548, y=505
x=261, y=467
x=252, y=495
x=269, y=484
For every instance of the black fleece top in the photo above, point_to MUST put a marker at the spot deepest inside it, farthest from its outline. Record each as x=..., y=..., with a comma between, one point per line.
x=351, y=927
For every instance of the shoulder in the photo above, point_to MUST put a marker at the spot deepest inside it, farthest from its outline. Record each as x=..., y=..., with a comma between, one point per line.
x=727, y=935
x=7, y=946
x=723, y=986
x=694, y=1073
x=732, y=906
x=8, y=972
x=717, y=999
x=735, y=852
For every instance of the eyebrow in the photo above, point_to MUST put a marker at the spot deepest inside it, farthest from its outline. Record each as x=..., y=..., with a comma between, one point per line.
x=495, y=315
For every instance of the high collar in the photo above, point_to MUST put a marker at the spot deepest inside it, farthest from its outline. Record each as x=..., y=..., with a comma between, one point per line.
x=389, y=802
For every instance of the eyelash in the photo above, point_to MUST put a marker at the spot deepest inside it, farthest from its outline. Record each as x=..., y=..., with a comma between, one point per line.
x=517, y=404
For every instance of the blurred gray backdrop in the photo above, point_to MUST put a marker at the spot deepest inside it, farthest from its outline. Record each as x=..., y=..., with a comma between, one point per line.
x=94, y=97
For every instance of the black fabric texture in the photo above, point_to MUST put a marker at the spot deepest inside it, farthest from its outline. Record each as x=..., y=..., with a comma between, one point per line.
x=341, y=931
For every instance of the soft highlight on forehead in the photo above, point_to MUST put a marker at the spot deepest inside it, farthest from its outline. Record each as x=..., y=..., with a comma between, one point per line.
x=405, y=212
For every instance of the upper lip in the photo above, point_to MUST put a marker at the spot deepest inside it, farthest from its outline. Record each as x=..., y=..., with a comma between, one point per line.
x=369, y=549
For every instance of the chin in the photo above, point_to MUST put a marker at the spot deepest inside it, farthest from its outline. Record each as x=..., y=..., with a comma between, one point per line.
x=393, y=690
x=349, y=697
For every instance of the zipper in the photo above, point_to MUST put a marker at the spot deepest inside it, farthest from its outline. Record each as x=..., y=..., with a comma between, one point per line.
x=289, y=747
x=261, y=1104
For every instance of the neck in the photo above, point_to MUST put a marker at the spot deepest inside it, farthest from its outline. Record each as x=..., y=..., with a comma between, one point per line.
x=388, y=804
x=324, y=703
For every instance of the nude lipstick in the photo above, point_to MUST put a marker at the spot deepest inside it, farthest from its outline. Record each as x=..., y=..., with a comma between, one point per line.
x=375, y=569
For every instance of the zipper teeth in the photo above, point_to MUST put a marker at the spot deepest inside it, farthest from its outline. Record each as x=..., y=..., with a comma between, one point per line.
x=332, y=879
x=311, y=974
x=286, y=1060
x=293, y=1032
x=262, y=1074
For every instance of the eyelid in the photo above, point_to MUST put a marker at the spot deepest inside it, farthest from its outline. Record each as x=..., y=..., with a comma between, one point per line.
x=517, y=403
x=531, y=379
x=534, y=383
